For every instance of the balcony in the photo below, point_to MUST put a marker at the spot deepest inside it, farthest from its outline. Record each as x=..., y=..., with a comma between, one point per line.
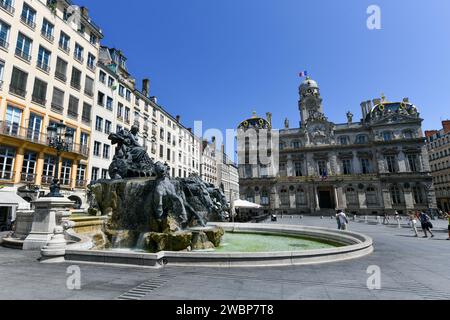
x=38, y=137
x=29, y=22
x=6, y=176
x=4, y=44
x=17, y=91
x=61, y=76
x=43, y=66
x=89, y=93
x=72, y=114
x=64, y=47
x=78, y=58
x=57, y=108
x=39, y=100
x=76, y=86
x=7, y=7
x=47, y=35
x=23, y=55
x=86, y=120
x=28, y=178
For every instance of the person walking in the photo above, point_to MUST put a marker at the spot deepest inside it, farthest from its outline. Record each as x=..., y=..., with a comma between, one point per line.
x=425, y=220
x=448, y=217
x=386, y=218
x=397, y=218
x=413, y=223
x=343, y=221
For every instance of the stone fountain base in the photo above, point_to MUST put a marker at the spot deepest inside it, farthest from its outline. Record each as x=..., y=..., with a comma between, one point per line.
x=188, y=240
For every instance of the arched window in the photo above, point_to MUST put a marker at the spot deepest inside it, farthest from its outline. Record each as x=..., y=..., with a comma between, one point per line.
x=352, y=196
x=396, y=195
x=300, y=197
x=265, y=201
x=344, y=140
x=418, y=194
x=387, y=136
x=284, y=197
x=371, y=196
x=296, y=144
x=408, y=134
x=250, y=196
x=361, y=139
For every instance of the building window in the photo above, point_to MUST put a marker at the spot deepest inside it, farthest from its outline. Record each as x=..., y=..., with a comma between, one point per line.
x=408, y=134
x=94, y=175
x=301, y=197
x=58, y=100
x=99, y=124
x=387, y=136
x=73, y=107
x=161, y=152
x=284, y=198
x=47, y=30
x=23, y=48
x=391, y=162
x=127, y=115
x=43, y=61
x=61, y=69
x=18, y=82
x=102, y=77
x=84, y=142
x=81, y=175
x=250, y=196
x=78, y=53
x=76, y=78
x=7, y=156
x=39, y=92
x=93, y=39
x=322, y=168
x=298, y=169
x=110, y=82
x=13, y=120
x=89, y=86
x=97, y=146
x=104, y=174
x=396, y=195
x=29, y=167
x=91, y=61
x=128, y=95
x=371, y=196
x=418, y=195
x=265, y=200
x=48, y=171
x=108, y=125
x=413, y=162
x=109, y=103
x=4, y=34
x=361, y=139
x=34, y=127
x=347, y=166
x=264, y=171
x=28, y=16
x=66, y=171
x=64, y=42
x=106, y=149
x=344, y=140
x=120, y=110
x=121, y=90
x=365, y=166
x=351, y=196
x=101, y=99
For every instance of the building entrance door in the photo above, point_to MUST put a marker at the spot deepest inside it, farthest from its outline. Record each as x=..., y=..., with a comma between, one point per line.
x=326, y=200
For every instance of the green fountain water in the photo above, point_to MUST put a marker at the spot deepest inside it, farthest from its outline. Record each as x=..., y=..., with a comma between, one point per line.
x=251, y=242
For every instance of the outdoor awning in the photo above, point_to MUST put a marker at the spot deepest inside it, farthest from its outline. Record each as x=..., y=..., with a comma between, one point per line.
x=11, y=199
x=246, y=205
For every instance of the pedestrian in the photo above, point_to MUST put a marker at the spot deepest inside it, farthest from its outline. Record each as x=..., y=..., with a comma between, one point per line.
x=338, y=220
x=448, y=217
x=386, y=218
x=425, y=220
x=343, y=221
x=413, y=222
x=397, y=218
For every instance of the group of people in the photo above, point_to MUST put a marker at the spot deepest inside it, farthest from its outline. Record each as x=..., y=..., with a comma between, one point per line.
x=414, y=219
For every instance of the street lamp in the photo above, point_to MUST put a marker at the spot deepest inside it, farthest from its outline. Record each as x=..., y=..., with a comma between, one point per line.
x=60, y=138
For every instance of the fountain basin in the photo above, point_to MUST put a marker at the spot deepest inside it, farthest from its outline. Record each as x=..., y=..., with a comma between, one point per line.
x=349, y=245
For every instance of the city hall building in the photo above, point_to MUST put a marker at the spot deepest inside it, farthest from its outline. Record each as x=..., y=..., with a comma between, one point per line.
x=375, y=165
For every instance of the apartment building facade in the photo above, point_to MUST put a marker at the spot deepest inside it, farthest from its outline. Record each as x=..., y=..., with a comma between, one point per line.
x=438, y=144
x=48, y=57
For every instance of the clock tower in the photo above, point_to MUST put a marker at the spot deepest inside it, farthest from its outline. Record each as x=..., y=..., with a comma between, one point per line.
x=310, y=103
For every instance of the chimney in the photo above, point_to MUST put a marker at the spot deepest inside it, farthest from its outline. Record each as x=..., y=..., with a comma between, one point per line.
x=146, y=87
x=446, y=126
x=269, y=118
x=178, y=117
x=84, y=12
x=364, y=110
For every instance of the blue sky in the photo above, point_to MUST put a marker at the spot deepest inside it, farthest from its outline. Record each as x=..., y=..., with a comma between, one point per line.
x=218, y=60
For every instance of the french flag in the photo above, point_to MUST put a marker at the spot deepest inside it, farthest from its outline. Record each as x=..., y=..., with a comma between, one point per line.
x=303, y=74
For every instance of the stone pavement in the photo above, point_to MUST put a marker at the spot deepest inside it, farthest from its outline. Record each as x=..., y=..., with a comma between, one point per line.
x=411, y=268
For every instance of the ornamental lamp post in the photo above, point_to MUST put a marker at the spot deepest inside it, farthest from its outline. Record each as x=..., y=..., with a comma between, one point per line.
x=59, y=138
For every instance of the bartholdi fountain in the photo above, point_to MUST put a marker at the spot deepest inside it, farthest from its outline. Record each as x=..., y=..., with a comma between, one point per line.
x=145, y=218
x=150, y=210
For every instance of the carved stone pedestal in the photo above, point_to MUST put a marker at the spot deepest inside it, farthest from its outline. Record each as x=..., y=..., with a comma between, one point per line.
x=49, y=213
